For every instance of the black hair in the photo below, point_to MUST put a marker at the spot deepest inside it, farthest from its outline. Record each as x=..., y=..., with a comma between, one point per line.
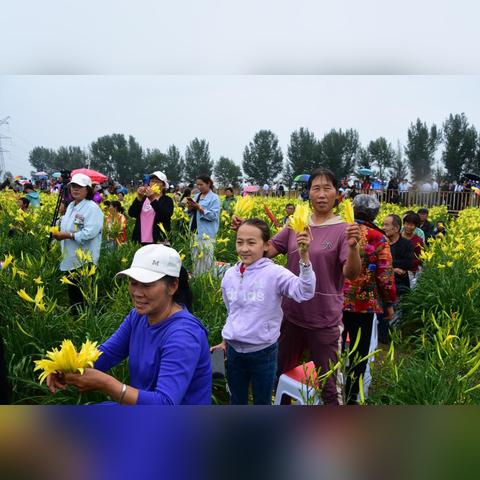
x=422, y=210
x=408, y=212
x=106, y=203
x=206, y=179
x=29, y=186
x=289, y=205
x=411, y=218
x=322, y=172
x=183, y=295
x=25, y=201
x=186, y=193
x=261, y=225
x=396, y=221
x=90, y=192
x=229, y=188
x=117, y=206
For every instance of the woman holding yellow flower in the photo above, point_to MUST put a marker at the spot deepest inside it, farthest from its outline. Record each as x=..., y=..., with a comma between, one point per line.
x=152, y=207
x=166, y=346
x=316, y=325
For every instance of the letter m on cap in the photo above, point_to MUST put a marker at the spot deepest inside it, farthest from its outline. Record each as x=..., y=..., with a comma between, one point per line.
x=156, y=262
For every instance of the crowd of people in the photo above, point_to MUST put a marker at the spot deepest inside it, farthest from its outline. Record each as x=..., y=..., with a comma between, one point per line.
x=341, y=280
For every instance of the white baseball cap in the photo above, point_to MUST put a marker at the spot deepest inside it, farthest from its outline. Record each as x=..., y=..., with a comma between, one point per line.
x=152, y=262
x=81, y=179
x=161, y=176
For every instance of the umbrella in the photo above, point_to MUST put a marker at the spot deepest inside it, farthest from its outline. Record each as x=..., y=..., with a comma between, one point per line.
x=56, y=174
x=472, y=176
x=251, y=189
x=40, y=174
x=96, y=177
x=365, y=171
x=302, y=178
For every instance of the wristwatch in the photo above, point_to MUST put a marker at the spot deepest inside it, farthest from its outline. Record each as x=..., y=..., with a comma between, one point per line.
x=304, y=265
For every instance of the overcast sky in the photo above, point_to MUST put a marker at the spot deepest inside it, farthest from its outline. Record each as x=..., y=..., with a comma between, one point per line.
x=167, y=72
x=51, y=111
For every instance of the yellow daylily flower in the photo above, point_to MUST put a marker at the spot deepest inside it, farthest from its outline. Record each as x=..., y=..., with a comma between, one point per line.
x=66, y=281
x=53, y=229
x=162, y=228
x=205, y=236
x=38, y=280
x=348, y=211
x=7, y=260
x=244, y=206
x=25, y=296
x=155, y=188
x=67, y=359
x=299, y=220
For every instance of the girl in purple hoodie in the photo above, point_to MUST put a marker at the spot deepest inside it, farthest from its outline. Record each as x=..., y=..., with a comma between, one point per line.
x=252, y=291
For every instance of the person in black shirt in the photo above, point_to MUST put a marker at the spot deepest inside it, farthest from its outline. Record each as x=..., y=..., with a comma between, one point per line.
x=425, y=225
x=151, y=207
x=402, y=256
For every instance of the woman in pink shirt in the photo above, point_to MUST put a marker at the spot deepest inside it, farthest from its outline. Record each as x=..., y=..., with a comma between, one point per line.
x=316, y=325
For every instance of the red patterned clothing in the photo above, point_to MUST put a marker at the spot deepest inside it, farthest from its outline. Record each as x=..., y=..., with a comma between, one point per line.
x=417, y=243
x=376, y=281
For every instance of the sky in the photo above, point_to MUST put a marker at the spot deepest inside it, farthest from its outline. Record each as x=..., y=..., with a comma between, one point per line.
x=52, y=111
x=167, y=72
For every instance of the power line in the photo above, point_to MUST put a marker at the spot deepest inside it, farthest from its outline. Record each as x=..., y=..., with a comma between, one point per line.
x=3, y=121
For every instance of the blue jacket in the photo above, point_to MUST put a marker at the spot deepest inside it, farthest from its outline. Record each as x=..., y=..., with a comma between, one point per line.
x=209, y=221
x=34, y=199
x=169, y=362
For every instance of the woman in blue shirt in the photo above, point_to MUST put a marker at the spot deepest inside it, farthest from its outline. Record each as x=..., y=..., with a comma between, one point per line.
x=204, y=211
x=167, y=347
x=81, y=228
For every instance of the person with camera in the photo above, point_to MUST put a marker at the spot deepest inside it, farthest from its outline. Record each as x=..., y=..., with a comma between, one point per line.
x=80, y=228
x=152, y=207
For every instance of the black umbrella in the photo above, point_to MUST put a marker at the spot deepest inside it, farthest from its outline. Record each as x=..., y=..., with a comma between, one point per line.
x=472, y=176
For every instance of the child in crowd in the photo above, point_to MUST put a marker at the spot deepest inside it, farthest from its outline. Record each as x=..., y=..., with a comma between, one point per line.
x=116, y=224
x=252, y=291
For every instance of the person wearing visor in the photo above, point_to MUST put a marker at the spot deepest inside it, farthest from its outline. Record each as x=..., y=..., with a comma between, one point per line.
x=152, y=207
x=166, y=346
x=80, y=228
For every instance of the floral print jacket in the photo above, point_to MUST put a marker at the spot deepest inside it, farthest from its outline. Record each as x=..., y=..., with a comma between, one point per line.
x=376, y=282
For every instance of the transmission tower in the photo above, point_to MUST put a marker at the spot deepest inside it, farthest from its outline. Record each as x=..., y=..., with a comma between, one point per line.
x=3, y=121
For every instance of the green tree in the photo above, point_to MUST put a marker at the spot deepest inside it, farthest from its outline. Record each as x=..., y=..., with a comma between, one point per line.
x=287, y=177
x=338, y=151
x=197, y=159
x=382, y=155
x=399, y=168
x=227, y=172
x=42, y=159
x=302, y=152
x=420, y=150
x=363, y=158
x=155, y=160
x=460, y=141
x=70, y=158
x=174, y=165
x=118, y=158
x=263, y=158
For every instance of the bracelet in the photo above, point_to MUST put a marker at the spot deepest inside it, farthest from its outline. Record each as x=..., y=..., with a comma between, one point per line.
x=72, y=235
x=122, y=394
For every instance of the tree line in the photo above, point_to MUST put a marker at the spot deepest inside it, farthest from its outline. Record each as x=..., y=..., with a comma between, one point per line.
x=123, y=159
